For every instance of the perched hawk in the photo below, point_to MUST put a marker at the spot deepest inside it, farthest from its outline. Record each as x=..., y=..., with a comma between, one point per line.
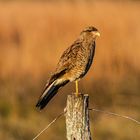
x=72, y=66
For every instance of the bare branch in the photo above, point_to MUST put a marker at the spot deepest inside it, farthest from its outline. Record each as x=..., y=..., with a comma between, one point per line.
x=59, y=116
x=115, y=114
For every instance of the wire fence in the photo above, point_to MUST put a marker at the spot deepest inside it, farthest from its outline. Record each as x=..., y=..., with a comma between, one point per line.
x=90, y=109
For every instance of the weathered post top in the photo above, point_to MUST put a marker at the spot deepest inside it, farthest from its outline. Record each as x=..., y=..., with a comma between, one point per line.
x=77, y=117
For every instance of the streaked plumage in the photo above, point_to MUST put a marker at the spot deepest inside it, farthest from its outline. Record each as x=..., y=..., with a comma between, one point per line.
x=73, y=64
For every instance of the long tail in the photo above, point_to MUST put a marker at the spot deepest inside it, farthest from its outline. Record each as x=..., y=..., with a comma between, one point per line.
x=49, y=93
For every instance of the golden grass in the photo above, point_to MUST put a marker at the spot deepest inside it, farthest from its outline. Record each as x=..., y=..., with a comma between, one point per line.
x=32, y=38
x=31, y=33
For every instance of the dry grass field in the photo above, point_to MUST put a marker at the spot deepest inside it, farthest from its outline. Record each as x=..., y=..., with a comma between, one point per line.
x=32, y=38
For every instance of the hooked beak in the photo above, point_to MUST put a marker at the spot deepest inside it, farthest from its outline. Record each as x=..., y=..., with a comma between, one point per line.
x=97, y=34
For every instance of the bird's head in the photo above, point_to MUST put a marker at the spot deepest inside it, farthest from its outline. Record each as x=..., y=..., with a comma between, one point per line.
x=90, y=31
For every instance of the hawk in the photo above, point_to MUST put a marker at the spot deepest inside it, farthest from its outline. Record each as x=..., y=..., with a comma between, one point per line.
x=72, y=66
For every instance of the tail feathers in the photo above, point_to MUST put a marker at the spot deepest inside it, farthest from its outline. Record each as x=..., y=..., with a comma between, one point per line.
x=49, y=93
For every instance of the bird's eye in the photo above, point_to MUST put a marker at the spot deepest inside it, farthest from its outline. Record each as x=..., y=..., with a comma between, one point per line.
x=89, y=30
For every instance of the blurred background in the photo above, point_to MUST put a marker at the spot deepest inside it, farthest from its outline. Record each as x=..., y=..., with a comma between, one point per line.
x=33, y=35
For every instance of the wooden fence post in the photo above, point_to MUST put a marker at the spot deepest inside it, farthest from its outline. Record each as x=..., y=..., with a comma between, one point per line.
x=77, y=117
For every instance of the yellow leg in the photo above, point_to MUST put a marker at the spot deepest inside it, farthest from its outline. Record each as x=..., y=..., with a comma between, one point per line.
x=76, y=82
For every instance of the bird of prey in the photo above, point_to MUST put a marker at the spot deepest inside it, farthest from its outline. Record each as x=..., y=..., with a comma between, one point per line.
x=72, y=66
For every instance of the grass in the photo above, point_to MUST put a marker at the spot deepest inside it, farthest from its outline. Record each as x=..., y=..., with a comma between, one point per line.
x=32, y=37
